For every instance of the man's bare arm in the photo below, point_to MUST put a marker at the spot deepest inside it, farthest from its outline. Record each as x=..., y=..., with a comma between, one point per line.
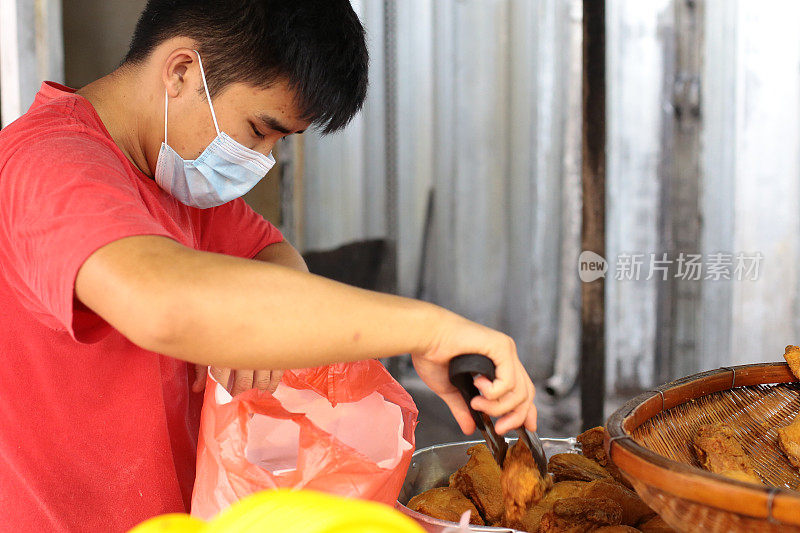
x=224, y=311
x=228, y=312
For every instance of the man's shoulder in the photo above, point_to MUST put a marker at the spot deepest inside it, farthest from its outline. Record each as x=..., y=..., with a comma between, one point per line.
x=50, y=152
x=56, y=133
x=62, y=122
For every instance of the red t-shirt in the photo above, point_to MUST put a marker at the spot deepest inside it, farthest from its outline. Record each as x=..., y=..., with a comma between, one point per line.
x=96, y=434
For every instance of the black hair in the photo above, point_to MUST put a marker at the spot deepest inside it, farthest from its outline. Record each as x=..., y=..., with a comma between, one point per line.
x=317, y=46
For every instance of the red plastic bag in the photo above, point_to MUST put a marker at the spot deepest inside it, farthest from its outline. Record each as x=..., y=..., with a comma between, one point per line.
x=345, y=429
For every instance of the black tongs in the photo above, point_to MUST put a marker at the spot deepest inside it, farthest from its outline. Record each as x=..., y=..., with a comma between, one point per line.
x=462, y=372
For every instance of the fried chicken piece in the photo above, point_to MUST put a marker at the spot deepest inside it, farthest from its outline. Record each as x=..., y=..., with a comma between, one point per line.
x=580, y=515
x=655, y=525
x=445, y=503
x=592, y=445
x=792, y=356
x=531, y=520
x=479, y=480
x=566, y=489
x=593, y=448
x=571, y=466
x=718, y=451
x=634, y=510
x=533, y=516
x=521, y=482
x=789, y=441
x=616, y=529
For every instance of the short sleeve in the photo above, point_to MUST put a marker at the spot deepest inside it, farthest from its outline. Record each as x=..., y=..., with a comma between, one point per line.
x=235, y=229
x=62, y=197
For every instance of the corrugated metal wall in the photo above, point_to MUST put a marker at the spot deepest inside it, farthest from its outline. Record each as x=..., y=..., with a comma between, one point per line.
x=344, y=178
x=751, y=176
x=638, y=47
x=487, y=92
x=481, y=99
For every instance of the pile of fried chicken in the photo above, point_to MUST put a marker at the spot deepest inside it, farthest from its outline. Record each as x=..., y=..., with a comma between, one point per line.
x=718, y=451
x=585, y=492
x=581, y=493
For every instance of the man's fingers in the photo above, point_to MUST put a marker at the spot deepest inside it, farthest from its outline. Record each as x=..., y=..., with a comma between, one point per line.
x=514, y=419
x=504, y=405
x=200, y=373
x=223, y=376
x=263, y=379
x=505, y=374
x=505, y=380
x=531, y=421
x=460, y=411
x=482, y=383
x=243, y=381
x=277, y=375
x=513, y=408
x=522, y=415
x=238, y=381
x=268, y=380
x=498, y=405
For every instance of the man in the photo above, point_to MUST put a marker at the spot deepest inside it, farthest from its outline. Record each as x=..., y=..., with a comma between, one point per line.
x=128, y=260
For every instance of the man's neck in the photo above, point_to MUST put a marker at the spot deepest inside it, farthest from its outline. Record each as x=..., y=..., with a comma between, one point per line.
x=119, y=100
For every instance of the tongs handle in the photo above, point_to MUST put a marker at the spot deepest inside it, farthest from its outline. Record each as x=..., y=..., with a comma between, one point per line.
x=461, y=371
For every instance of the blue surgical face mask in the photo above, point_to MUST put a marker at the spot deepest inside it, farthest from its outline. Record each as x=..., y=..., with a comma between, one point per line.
x=224, y=171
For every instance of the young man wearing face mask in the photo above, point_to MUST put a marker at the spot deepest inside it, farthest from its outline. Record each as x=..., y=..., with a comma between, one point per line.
x=129, y=263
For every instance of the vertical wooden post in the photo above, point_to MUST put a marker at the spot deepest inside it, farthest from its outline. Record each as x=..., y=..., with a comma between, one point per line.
x=593, y=234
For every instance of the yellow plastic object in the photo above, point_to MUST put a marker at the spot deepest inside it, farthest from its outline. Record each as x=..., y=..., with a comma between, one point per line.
x=171, y=523
x=287, y=511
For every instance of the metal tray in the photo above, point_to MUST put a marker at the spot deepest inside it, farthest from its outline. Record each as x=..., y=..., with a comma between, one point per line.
x=432, y=466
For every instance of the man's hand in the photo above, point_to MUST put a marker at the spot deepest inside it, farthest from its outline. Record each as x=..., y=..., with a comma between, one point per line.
x=509, y=396
x=236, y=381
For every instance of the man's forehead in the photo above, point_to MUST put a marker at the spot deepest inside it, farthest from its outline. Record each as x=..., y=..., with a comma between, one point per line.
x=276, y=105
x=277, y=125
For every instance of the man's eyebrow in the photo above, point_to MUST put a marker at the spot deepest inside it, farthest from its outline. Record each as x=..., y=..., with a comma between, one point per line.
x=274, y=124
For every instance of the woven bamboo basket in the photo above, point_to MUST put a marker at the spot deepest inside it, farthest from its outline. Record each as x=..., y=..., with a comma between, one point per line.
x=649, y=439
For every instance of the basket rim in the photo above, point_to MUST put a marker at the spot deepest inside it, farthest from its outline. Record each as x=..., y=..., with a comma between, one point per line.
x=686, y=481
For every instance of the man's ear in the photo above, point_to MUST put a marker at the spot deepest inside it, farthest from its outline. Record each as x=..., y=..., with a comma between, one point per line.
x=175, y=69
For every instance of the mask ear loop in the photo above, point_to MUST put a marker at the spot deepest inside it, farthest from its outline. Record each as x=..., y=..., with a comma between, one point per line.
x=166, y=108
x=208, y=95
